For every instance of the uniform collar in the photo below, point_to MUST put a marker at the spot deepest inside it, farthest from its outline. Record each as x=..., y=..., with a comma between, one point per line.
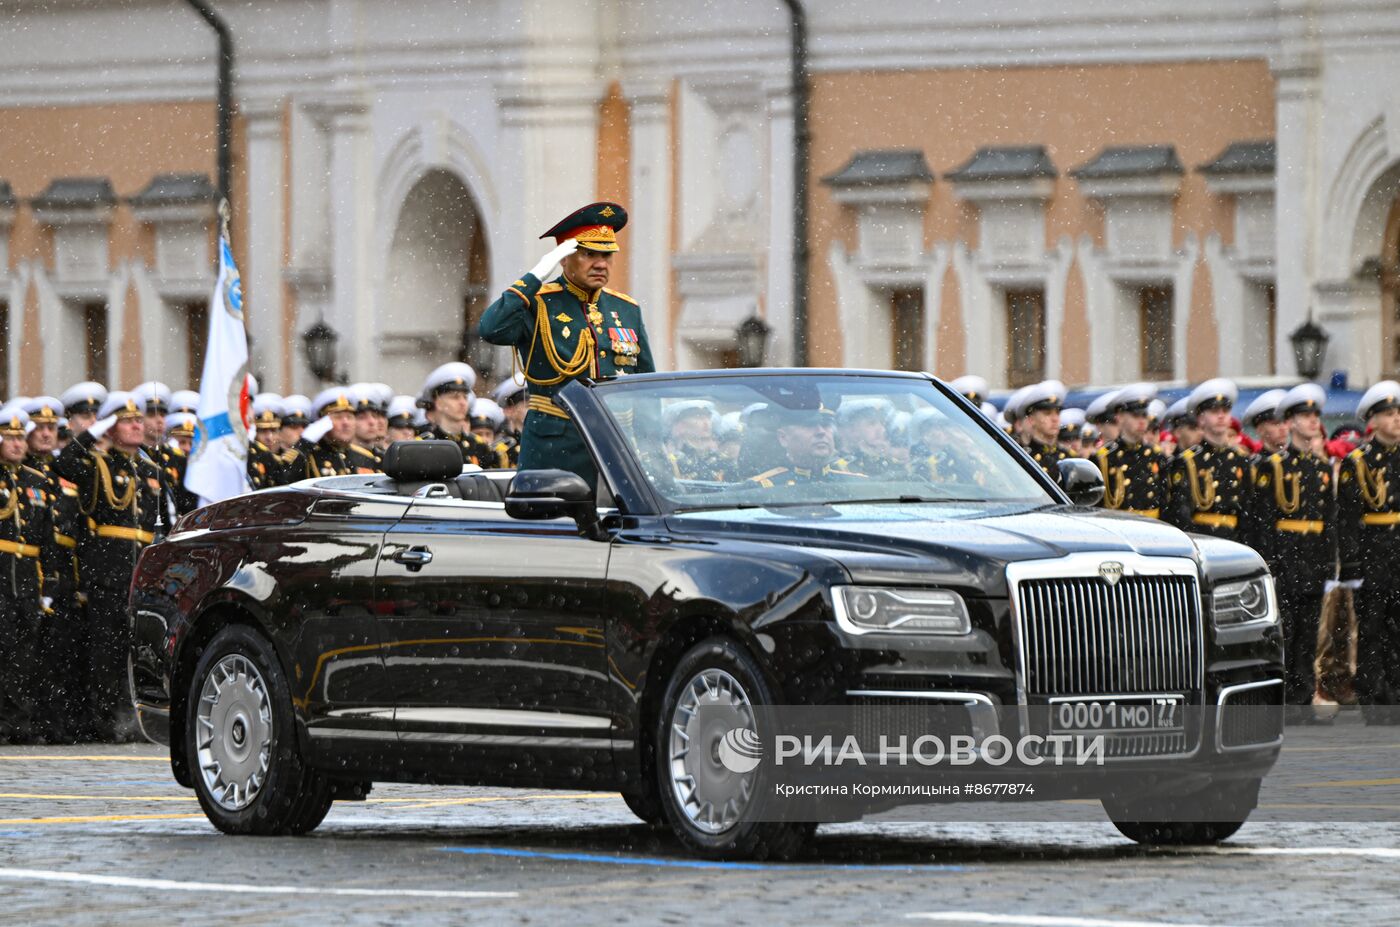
x=581, y=293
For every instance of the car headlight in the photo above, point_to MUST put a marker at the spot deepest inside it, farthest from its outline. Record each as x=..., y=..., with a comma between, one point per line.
x=1249, y=601
x=872, y=609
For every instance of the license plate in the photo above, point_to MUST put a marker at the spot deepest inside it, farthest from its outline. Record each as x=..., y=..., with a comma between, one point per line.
x=1117, y=714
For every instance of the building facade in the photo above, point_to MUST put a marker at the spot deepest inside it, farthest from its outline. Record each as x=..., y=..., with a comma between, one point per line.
x=1099, y=191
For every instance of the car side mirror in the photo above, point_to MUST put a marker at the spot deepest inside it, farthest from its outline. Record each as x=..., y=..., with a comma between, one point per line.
x=537, y=494
x=1081, y=480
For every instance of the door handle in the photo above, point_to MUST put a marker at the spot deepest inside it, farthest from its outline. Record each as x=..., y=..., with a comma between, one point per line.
x=415, y=558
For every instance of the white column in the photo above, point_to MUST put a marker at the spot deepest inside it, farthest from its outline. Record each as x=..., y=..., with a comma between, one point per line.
x=352, y=225
x=264, y=225
x=649, y=224
x=1297, y=214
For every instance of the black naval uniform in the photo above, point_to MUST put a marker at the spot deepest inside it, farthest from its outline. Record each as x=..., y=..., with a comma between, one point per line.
x=326, y=458
x=66, y=631
x=474, y=450
x=266, y=468
x=25, y=527
x=119, y=494
x=1297, y=517
x=173, y=463
x=1368, y=527
x=1209, y=492
x=1049, y=457
x=1134, y=477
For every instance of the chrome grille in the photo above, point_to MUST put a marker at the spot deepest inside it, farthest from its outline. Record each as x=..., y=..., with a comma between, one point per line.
x=1083, y=636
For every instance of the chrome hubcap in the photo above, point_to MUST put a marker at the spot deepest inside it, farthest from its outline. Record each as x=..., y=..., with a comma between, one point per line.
x=712, y=796
x=234, y=729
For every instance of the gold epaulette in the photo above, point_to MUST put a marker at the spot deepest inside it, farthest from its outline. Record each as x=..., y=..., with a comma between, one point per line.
x=622, y=296
x=549, y=288
x=363, y=450
x=39, y=473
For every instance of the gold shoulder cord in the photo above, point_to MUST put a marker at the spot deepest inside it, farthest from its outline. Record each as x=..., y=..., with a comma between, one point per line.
x=574, y=366
x=1375, y=489
x=1286, y=505
x=1113, y=495
x=104, y=477
x=1203, y=489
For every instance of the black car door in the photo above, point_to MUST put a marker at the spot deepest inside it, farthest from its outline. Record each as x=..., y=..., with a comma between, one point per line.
x=494, y=627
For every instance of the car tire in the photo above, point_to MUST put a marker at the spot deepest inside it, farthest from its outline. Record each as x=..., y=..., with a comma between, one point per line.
x=1167, y=821
x=240, y=738
x=647, y=807
x=690, y=782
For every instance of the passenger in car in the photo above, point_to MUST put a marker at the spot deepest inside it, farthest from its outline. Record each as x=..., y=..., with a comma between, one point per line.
x=940, y=454
x=692, y=452
x=808, y=440
x=864, y=438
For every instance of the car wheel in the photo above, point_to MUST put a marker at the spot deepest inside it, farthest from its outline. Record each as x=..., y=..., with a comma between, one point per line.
x=646, y=807
x=1219, y=812
x=241, y=741
x=713, y=810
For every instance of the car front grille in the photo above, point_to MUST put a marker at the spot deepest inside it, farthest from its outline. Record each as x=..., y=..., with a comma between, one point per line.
x=1085, y=636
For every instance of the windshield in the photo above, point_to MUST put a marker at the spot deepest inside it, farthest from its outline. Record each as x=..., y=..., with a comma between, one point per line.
x=798, y=439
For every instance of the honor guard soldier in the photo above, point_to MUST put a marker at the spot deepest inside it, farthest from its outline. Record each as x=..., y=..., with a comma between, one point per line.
x=335, y=453
x=1134, y=471
x=80, y=404
x=372, y=415
x=1072, y=424
x=402, y=423
x=296, y=415
x=1296, y=507
x=265, y=467
x=1014, y=414
x=118, y=489
x=486, y=421
x=1183, y=428
x=1263, y=417
x=184, y=400
x=1099, y=414
x=1369, y=540
x=972, y=388
x=571, y=327
x=511, y=396
x=1041, y=410
x=26, y=532
x=179, y=439
x=1209, y=488
x=447, y=394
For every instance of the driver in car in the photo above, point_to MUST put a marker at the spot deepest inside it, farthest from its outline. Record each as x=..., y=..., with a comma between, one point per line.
x=808, y=440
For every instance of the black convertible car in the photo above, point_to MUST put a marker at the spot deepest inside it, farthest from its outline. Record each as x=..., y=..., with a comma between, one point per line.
x=294, y=646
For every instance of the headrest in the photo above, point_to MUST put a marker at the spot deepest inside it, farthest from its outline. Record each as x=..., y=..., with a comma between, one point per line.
x=418, y=461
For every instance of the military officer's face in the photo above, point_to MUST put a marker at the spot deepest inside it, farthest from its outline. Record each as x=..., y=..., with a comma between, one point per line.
x=128, y=433
x=184, y=443
x=343, y=426
x=588, y=269
x=1386, y=425
x=291, y=434
x=13, y=449
x=810, y=447
x=364, y=427
x=44, y=438
x=155, y=427
x=1306, y=425
x=452, y=406
x=484, y=432
x=1188, y=435
x=1273, y=433
x=272, y=437
x=695, y=432
x=869, y=433
x=401, y=434
x=80, y=422
x=1216, y=424
x=515, y=415
x=1045, y=425
x=1132, y=426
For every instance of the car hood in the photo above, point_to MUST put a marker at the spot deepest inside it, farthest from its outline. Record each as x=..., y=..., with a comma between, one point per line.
x=959, y=544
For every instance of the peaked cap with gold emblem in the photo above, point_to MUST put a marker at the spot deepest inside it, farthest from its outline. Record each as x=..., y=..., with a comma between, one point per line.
x=595, y=227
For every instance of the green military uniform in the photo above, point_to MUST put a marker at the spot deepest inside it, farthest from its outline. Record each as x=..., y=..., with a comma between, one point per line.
x=561, y=333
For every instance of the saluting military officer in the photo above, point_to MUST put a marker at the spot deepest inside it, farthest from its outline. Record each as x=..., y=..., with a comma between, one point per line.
x=65, y=634
x=1209, y=488
x=1134, y=471
x=573, y=326
x=335, y=453
x=1368, y=524
x=1041, y=410
x=447, y=395
x=118, y=489
x=1296, y=510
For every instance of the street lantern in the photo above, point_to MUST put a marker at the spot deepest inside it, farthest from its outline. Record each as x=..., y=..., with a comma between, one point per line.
x=318, y=345
x=752, y=336
x=1309, y=347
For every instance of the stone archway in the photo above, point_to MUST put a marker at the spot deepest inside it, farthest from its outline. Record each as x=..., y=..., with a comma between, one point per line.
x=1390, y=293
x=436, y=281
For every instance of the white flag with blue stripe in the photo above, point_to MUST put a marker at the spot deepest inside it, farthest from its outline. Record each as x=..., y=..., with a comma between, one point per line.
x=218, y=465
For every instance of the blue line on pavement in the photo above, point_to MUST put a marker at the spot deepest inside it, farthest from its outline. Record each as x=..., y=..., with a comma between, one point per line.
x=666, y=863
x=5, y=834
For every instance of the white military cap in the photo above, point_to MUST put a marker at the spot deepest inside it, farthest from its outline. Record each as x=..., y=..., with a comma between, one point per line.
x=922, y=419
x=43, y=410
x=184, y=400
x=267, y=410
x=180, y=424
x=486, y=412
x=1071, y=418
x=420, y=416
x=332, y=399
x=122, y=405
x=1100, y=409
x=1133, y=398
x=401, y=411
x=1156, y=409
x=510, y=391
x=1014, y=402
x=990, y=410
x=1384, y=395
x=14, y=421
x=365, y=397
x=1305, y=397
x=450, y=376
x=1177, y=411
x=685, y=408
x=1264, y=407
x=1049, y=394
x=868, y=405
x=296, y=410
x=1217, y=393
x=86, y=396
x=971, y=387
x=152, y=396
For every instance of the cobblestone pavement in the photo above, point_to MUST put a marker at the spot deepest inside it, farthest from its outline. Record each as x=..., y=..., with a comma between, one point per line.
x=102, y=835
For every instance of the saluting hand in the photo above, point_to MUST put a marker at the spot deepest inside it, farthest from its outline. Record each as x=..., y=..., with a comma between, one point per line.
x=554, y=257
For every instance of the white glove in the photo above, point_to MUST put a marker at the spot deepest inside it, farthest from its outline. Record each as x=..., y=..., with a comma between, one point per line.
x=100, y=428
x=547, y=262
x=317, y=429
